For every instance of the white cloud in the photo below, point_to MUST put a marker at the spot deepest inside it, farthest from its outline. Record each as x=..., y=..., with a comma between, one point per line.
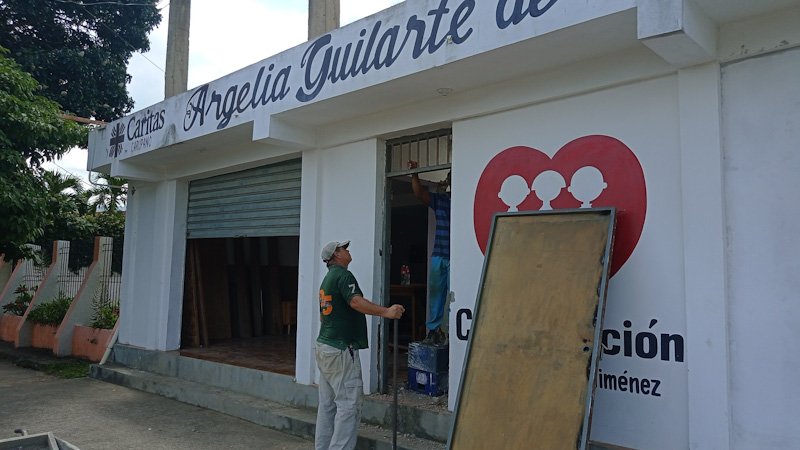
x=225, y=37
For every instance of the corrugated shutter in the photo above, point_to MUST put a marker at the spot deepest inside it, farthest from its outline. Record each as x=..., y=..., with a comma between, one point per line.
x=264, y=201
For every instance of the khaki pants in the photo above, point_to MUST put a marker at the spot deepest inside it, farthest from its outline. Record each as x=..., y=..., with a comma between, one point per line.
x=340, y=397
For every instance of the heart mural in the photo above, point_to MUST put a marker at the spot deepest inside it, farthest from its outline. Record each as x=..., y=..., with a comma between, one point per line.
x=591, y=171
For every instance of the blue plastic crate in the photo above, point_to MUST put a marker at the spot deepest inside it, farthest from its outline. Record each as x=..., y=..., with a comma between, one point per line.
x=430, y=358
x=428, y=383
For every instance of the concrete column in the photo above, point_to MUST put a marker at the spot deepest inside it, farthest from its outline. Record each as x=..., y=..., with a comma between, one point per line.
x=323, y=16
x=153, y=265
x=704, y=257
x=176, y=76
x=48, y=290
x=309, y=270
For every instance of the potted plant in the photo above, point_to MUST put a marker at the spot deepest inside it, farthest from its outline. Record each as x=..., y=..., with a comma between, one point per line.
x=46, y=317
x=90, y=342
x=13, y=312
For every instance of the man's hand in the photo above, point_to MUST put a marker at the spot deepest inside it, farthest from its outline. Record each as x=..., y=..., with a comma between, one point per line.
x=394, y=312
x=416, y=186
x=365, y=306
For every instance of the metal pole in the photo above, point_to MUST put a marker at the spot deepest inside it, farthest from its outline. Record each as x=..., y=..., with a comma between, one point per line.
x=394, y=387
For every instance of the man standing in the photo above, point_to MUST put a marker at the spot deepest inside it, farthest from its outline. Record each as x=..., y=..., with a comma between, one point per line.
x=439, y=273
x=342, y=333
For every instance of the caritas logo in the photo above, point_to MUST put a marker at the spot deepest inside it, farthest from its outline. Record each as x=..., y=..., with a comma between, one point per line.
x=591, y=171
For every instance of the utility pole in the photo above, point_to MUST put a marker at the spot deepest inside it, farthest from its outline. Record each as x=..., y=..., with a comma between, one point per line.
x=176, y=76
x=323, y=16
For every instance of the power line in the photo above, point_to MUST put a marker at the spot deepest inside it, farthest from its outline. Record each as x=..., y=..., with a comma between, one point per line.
x=82, y=180
x=89, y=180
x=114, y=31
x=103, y=3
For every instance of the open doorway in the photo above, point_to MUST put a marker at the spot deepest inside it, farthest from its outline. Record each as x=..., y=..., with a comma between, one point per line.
x=242, y=253
x=410, y=231
x=240, y=302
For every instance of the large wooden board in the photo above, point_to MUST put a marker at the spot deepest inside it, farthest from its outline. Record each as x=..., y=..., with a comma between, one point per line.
x=533, y=345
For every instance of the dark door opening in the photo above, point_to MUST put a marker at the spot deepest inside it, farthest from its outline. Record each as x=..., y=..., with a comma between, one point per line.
x=410, y=228
x=240, y=301
x=409, y=244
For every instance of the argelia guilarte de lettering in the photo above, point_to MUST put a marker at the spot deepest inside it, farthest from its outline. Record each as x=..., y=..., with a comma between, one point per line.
x=326, y=63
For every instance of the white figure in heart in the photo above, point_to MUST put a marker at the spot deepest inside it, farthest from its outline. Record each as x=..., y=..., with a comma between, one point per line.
x=547, y=185
x=513, y=192
x=586, y=185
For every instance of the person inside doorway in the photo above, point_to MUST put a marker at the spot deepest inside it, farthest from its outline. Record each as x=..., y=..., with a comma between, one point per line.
x=342, y=333
x=439, y=273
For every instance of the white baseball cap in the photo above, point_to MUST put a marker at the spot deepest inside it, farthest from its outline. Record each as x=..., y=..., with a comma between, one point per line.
x=329, y=249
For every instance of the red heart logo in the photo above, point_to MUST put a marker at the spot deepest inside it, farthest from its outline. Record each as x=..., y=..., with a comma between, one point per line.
x=591, y=171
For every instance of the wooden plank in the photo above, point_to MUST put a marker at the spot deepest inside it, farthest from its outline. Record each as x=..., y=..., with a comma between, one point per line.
x=190, y=315
x=242, y=288
x=200, y=295
x=533, y=341
x=274, y=286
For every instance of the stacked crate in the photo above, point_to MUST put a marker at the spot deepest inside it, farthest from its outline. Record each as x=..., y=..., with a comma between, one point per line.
x=427, y=368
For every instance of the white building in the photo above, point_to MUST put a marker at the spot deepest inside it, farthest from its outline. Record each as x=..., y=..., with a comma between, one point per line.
x=690, y=111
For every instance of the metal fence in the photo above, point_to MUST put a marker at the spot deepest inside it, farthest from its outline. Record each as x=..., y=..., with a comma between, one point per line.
x=78, y=256
x=33, y=274
x=108, y=291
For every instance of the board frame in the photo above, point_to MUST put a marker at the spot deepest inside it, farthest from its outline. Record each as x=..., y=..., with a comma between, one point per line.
x=610, y=212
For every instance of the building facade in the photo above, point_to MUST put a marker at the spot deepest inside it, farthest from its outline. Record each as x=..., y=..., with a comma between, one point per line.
x=684, y=115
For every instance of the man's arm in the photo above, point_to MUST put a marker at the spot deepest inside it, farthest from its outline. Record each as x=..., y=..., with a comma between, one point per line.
x=419, y=190
x=365, y=306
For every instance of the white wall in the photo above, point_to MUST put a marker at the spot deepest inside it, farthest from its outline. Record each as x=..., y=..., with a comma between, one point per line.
x=340, y=201
x=153, y=265
x=761, y=124
x=649, y=286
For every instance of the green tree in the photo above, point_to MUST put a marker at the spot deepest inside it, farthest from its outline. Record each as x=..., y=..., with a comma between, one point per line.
x=31, y=132
x=79, y=50
x=110, y=193
x=66, y=220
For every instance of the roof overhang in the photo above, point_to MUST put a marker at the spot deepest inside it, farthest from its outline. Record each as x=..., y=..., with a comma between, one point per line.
x=276, y=105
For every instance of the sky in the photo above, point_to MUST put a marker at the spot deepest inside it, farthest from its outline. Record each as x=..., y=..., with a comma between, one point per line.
x=223, y=37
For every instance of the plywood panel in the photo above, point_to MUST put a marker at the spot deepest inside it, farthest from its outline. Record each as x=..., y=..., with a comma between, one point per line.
x=533, y=339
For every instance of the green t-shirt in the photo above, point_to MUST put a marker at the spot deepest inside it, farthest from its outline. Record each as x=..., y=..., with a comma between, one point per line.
x=340, y=325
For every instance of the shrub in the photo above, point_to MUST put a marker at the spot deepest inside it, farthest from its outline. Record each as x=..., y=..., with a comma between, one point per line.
x=104, y=315
x=52, y=312
x=20, y=303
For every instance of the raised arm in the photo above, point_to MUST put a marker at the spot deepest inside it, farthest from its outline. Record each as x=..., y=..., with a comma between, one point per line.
x=419, y=190
x=365, y=306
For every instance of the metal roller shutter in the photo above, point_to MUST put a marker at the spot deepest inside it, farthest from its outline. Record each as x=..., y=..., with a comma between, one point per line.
x=264, y=201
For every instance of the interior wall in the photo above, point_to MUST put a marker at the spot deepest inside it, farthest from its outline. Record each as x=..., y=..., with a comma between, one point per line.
x=213, y=276
x=761, y=166
x=409, y=230
x=246, y=284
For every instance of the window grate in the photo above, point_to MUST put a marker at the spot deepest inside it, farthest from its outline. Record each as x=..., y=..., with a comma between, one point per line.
x=433, y=151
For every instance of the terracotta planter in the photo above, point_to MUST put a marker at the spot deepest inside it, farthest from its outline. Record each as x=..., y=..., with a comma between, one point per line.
x=44, y=336
x=8, y=327
x=90, y=343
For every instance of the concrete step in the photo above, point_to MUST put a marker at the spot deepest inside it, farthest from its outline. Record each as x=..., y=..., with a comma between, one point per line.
x=288, y=419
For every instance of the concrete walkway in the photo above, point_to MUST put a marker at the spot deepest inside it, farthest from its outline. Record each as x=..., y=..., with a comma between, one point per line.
x=91, y=414
x=165, y=412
